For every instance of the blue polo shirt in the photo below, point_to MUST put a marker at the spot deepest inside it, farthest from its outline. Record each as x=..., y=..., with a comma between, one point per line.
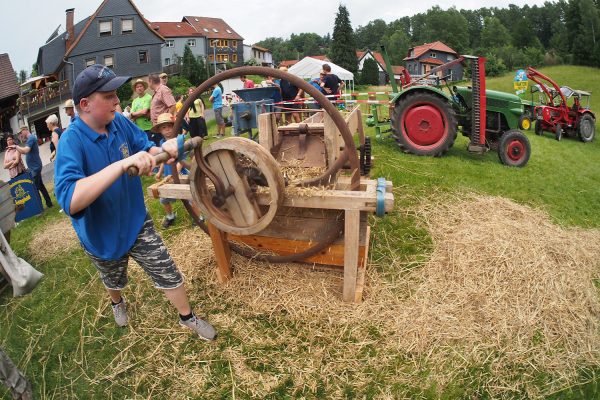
x=217, y=95
x=34, y=162
x=109, y=226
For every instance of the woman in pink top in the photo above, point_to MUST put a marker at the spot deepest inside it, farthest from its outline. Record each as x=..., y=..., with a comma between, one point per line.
x=12, y=158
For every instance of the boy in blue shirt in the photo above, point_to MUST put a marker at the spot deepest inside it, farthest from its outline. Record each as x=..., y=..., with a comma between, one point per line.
x=106, y=206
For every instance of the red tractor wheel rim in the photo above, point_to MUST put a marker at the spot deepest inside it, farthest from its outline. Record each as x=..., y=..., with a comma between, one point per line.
x=515, y=150
x=424, y=125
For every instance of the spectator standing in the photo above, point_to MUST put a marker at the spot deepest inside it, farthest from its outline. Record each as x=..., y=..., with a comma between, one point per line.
x=55, y=131
x=140, y=107
x=290, y=95
x=216, y=98
x=12, y=158
x=33, y=160
x=248, y=83
x=70, y=110
x=332, y=84
x=106, y=206
x=164, y=78
x=162, y=102
x=195, y=115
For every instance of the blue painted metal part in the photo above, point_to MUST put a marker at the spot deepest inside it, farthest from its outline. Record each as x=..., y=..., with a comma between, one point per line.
x=380, y=209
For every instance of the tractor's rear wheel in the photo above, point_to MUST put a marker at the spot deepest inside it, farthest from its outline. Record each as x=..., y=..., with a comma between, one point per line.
x=514, y=149
x=525, y=122
x=424, y=124
x=558, y=132
x=586, y=128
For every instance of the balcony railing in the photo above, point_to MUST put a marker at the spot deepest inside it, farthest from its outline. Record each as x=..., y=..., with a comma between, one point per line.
x=51, y=95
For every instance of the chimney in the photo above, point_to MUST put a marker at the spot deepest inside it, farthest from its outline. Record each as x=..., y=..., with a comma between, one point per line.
x=70, y=28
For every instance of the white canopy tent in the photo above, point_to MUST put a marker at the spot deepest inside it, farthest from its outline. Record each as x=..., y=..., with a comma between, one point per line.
x=309, y=68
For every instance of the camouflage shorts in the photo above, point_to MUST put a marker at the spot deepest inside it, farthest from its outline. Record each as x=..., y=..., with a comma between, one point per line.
x=150, y=253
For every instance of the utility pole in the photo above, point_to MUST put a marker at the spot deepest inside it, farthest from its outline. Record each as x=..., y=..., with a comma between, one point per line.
x=214, y=43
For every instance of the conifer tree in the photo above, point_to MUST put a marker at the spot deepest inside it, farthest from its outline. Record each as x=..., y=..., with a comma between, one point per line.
x=343, y=48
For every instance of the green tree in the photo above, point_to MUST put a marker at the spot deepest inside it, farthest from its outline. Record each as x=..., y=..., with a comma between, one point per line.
x=583, y=26
x=124, y=94
x=370, y=73
x=370, y=36
x=343, y=49
x=190, y=69
x=179, y=85
x=34, y=70
x=494, y=34
x=448, y=26
x=22, y=76
x=397, y=46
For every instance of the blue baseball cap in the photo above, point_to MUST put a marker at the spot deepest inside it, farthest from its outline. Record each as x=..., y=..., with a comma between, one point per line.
x=96, y=78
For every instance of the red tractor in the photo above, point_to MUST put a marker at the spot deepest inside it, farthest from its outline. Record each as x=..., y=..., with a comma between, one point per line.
x=556, y=116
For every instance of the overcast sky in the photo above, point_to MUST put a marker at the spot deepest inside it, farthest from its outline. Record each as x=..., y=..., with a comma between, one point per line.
x=26, y=24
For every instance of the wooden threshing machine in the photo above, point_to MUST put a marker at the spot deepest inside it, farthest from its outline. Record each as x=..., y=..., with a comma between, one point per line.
x=295, y=196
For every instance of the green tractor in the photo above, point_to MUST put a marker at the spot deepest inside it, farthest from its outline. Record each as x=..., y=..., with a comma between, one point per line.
x=425, y=119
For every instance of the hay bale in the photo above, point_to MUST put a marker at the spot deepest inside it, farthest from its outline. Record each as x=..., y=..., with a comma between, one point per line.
x=504, y=288
x=44, y=246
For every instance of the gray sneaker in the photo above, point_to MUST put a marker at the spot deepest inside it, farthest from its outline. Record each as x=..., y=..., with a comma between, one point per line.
x=201, y=327
x=120, y=312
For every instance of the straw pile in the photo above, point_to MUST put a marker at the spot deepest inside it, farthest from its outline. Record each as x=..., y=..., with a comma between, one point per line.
x=56, y=238
x=505, y=292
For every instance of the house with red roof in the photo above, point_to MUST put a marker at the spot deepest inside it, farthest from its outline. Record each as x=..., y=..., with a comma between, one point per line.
x=210, y=38
x=224, y=44
x=381, y=65
x=420, y=60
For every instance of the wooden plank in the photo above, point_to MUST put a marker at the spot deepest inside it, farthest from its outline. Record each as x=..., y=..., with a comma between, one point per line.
x=332, y=255
x=362, y=268
x=305, y=229
x=351, y=223
x=231, y=203
x=276, y=136
x=330, y=136
x=265, y=133
x=330, y=199
x=312, y=127
x=249, y=208
x=222, y=253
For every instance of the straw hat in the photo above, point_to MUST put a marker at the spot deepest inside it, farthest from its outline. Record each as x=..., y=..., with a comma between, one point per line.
x=143, y=82
x=163, y=75
x=162, y=119
x=69, y=103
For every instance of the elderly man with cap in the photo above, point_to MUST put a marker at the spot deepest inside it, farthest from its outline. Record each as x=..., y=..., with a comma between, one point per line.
x=106, y=205
x=162, y=101
x=164, y=78
x=70, y=109
x=140, y=107
x=33, y=160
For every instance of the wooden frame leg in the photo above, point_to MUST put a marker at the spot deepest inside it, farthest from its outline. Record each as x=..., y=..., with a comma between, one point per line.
x=351, y=245
x=222, y=253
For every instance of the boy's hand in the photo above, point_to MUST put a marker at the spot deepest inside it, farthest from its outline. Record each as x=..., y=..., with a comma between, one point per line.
x=170, y=146
x=158, y=176
x=143, y=161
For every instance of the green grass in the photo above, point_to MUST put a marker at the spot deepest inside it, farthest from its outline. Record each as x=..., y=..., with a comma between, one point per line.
x=62, y=326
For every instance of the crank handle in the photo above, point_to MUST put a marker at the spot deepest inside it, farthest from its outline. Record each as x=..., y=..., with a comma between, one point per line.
x=164, y=156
